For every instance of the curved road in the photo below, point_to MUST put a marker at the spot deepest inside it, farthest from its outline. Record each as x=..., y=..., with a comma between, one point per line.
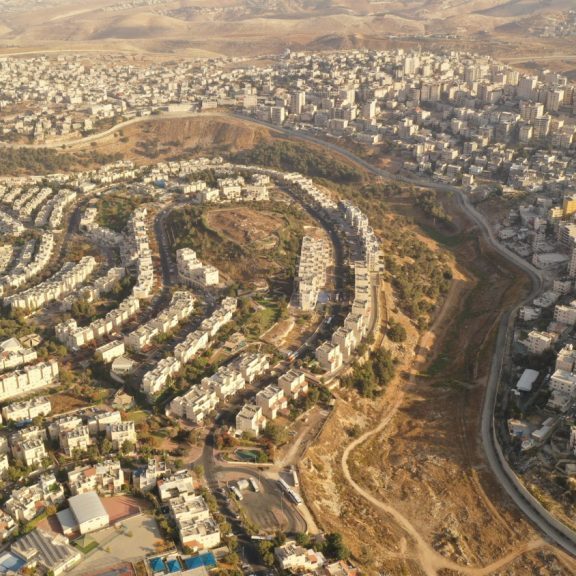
x=557, y=532
x=539, y=516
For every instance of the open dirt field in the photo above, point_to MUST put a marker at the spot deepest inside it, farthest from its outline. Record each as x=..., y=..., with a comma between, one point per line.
x=246, y=227
x=415, y=497
x=154, y=140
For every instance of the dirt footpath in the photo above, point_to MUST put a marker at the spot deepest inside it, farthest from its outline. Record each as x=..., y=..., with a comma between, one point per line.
x=413, y=495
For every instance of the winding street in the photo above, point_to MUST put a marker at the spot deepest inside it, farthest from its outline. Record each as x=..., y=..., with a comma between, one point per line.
x=555, y=531
x=430, y=560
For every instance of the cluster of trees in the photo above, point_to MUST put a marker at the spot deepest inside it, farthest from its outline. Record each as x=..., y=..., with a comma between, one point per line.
x=115, y=209
x=13, y=324
x=193, y=233
x=419, y=275
x=371, y=377
x=83, y=311
x=304, y=403
x=22, y=161
x=428, y=202
x=298, y=158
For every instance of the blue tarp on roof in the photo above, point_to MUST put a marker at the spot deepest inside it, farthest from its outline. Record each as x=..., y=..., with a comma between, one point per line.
x=157, y=565
x=208, y=560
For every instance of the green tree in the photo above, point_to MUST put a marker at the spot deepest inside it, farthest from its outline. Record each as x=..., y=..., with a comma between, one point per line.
x=303, y=539
x=275, y=433
x=396, y=332
x=334, y=547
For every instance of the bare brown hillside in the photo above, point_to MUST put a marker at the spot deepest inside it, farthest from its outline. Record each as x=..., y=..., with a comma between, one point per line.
x=247, y=27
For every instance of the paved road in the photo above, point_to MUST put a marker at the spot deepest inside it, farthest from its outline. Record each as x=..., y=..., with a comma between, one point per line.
x=533, y=510
x=540, y=517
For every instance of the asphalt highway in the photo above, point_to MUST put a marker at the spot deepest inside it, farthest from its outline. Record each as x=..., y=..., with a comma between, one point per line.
x=555, y=530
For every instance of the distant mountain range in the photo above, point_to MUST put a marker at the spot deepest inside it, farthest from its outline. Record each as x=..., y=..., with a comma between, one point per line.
x=256, y=26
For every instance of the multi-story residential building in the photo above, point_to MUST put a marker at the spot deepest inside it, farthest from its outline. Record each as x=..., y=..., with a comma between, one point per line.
x=74, y=337
x=145, y=479
x=196, y=528
x=329, y=357
x=75, y=440
x=121, y=433
x=191, y=270
x=26, y=503
x=250, y=419
x=540, y=342
x=296, y=559
x=106, y=478
x=13, y=354
x=28, y=379
x=566, y=359
x=110, y=351
x=564, y=383
x=252, y=365
x=565, y=314
x=196, y=404
x=27, y=409
x=63, y=424
x=272, y=400
x=31, y=453
x=314, y=259
x=346, y=340
x=156, y=379
x=173, y=486
x=293, y=383
x=98, y=423
x=69, y=277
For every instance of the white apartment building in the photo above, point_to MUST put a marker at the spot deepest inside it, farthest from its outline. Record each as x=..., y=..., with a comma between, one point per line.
x=563, y=382
x=26, y=503
x=98, y=423
x=565, y=314
x=156, y=379
x=252, y=365
x=566, y=359
x=293, y=383
x=329, y=357
x=120, y=433
x=145, y=479
x=173, y=486
x=68, y=278
x=180, y=308
x=106, y=478
x=63, y=424
x=250, y=419
x=191, y=270
x=196, y=527
x=74, y=337
x=31, y=452
x=314, y=259
x=295, y=558
x=27, y=409
x=346, y=340
x=540, y=342
x=272, y=400
x=196, y=404
x=110, y=351
x=74, y=440
x=28, y=379
x=94, y=291
x=13, y=354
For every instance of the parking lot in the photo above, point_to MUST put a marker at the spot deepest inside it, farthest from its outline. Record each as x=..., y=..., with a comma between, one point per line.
x=269, y=510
